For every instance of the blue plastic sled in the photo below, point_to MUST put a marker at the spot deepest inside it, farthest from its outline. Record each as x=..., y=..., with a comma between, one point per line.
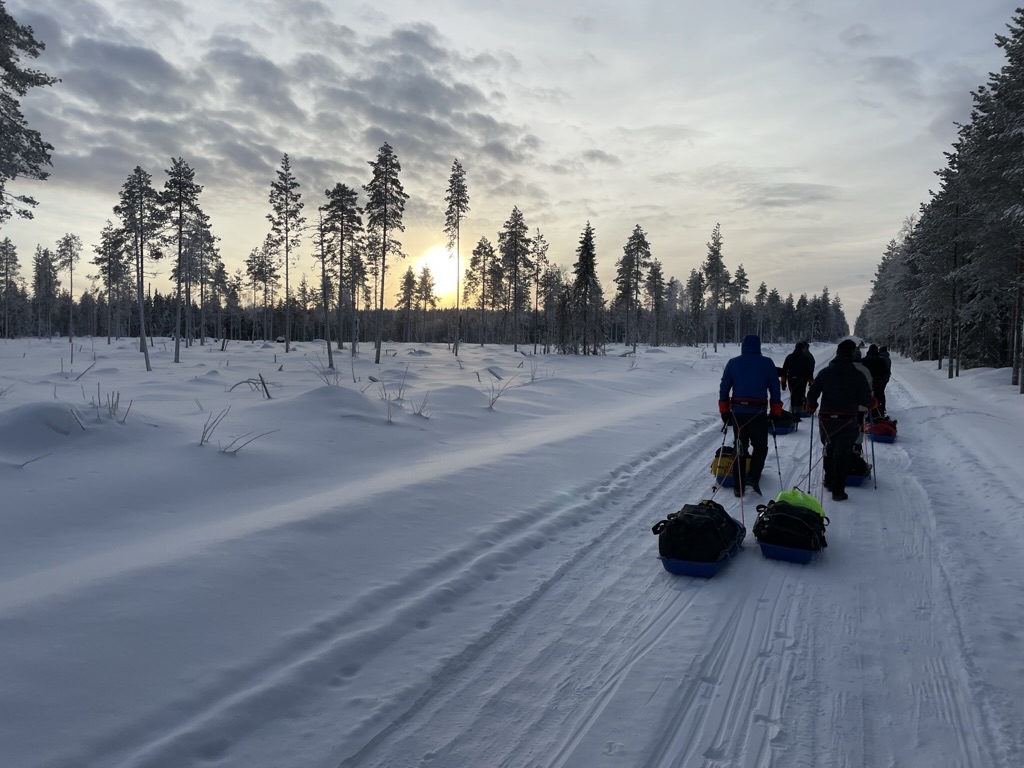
x=703, y=570
x=789, y=554
x=781, y=430
x=882, y=438
x=856, y=480
x=726, y=482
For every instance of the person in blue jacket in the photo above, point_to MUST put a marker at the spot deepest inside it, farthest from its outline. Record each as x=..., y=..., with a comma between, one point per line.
x=748, y=396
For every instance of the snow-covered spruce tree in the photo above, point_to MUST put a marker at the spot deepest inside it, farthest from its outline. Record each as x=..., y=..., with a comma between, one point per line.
x=514, y=245
x=457, y=199
x=385, y=206
x=343, y=221
x=629, y=274
x=716, y=278
x=23, y=153
x=588, y=297
x=286, y=223
x=142, y=219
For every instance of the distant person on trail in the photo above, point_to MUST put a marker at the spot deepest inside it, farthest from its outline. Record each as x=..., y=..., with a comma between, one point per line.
x=843, y=391
x=880, y=368
x=798, y=372
x=749, y=388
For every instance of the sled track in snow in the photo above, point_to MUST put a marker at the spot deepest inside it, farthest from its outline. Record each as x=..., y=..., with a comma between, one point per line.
x=576, y=655
x=318, y=658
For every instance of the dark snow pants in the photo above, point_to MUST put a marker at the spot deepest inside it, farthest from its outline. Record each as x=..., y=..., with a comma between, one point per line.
x=751, y=431
x=839, y=435
x=798, y=394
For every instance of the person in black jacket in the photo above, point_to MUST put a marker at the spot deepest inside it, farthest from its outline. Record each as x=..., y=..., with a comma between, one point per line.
x=797, y=372
x=879, y=368
x=843, y=390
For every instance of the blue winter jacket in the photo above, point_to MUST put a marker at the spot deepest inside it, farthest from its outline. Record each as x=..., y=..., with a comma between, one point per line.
x=748, y=378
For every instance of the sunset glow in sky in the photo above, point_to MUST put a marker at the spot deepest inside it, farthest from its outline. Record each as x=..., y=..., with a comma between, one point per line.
x=809, y=130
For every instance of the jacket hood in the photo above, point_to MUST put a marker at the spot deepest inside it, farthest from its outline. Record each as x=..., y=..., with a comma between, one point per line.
x=873, y=350
x=751, y=345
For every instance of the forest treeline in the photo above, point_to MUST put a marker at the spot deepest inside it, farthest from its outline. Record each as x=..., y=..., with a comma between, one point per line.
x=949, y=285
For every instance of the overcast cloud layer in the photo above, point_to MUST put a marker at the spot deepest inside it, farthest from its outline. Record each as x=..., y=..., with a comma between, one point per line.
x=809, y=132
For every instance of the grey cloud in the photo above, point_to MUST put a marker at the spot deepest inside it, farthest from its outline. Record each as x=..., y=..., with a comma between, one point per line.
x=785, y=195
x=585, y=24
x=759, y=188
x=859, y=36
x=256, y=79
x=894, y=73
x=600, y=156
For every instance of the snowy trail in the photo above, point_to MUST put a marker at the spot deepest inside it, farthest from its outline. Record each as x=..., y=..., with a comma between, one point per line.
x=529, y=622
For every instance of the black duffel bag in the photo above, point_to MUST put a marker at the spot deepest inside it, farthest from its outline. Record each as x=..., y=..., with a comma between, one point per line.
x=701, y=533
x=788, y=525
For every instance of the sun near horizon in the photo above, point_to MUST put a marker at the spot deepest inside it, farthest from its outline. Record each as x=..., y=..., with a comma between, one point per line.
x=442, y=265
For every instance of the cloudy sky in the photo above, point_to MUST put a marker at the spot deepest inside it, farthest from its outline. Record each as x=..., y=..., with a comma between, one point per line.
x=810, y=130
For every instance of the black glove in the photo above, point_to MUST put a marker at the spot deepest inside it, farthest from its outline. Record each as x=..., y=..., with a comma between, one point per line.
x=727, y=417
x=782, y=383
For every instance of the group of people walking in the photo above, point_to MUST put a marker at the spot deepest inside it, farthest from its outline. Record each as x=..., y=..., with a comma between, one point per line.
x=848, y=388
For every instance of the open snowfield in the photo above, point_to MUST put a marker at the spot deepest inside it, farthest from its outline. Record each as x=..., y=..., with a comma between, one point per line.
x=473, y=586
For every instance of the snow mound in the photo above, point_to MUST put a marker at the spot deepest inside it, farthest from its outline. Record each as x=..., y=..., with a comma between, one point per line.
x=457, y=398
x=106, y=371
x=334, y=401
x=418, y=352
x=38, y=426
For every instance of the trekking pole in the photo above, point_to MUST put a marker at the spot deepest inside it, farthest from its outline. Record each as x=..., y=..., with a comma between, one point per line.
x=777, y=462
x=871, y=437
x=810, y=457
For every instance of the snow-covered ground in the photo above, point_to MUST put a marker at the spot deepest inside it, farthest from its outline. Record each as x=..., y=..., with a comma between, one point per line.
x=477, y=586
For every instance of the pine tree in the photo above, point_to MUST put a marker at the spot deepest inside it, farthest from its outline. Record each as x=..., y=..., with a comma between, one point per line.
x=112, y=261
x=180, y=199
x=9, y=268
x=69, y=251
x=587, y=294
x=716, y=278
x=654, y=285
x=325, y=285
x=476, y=278
x=457, y=199
x=142, y=219
x=514, y=246
x=286, y=222
x=343, y=222
x=738, y=288
x=406, y=297
x=539, y=262
x=426, y=299
x=696, y=289
x=44, y=288
x=23, y=153
x=385, y=206
x=629, y=276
